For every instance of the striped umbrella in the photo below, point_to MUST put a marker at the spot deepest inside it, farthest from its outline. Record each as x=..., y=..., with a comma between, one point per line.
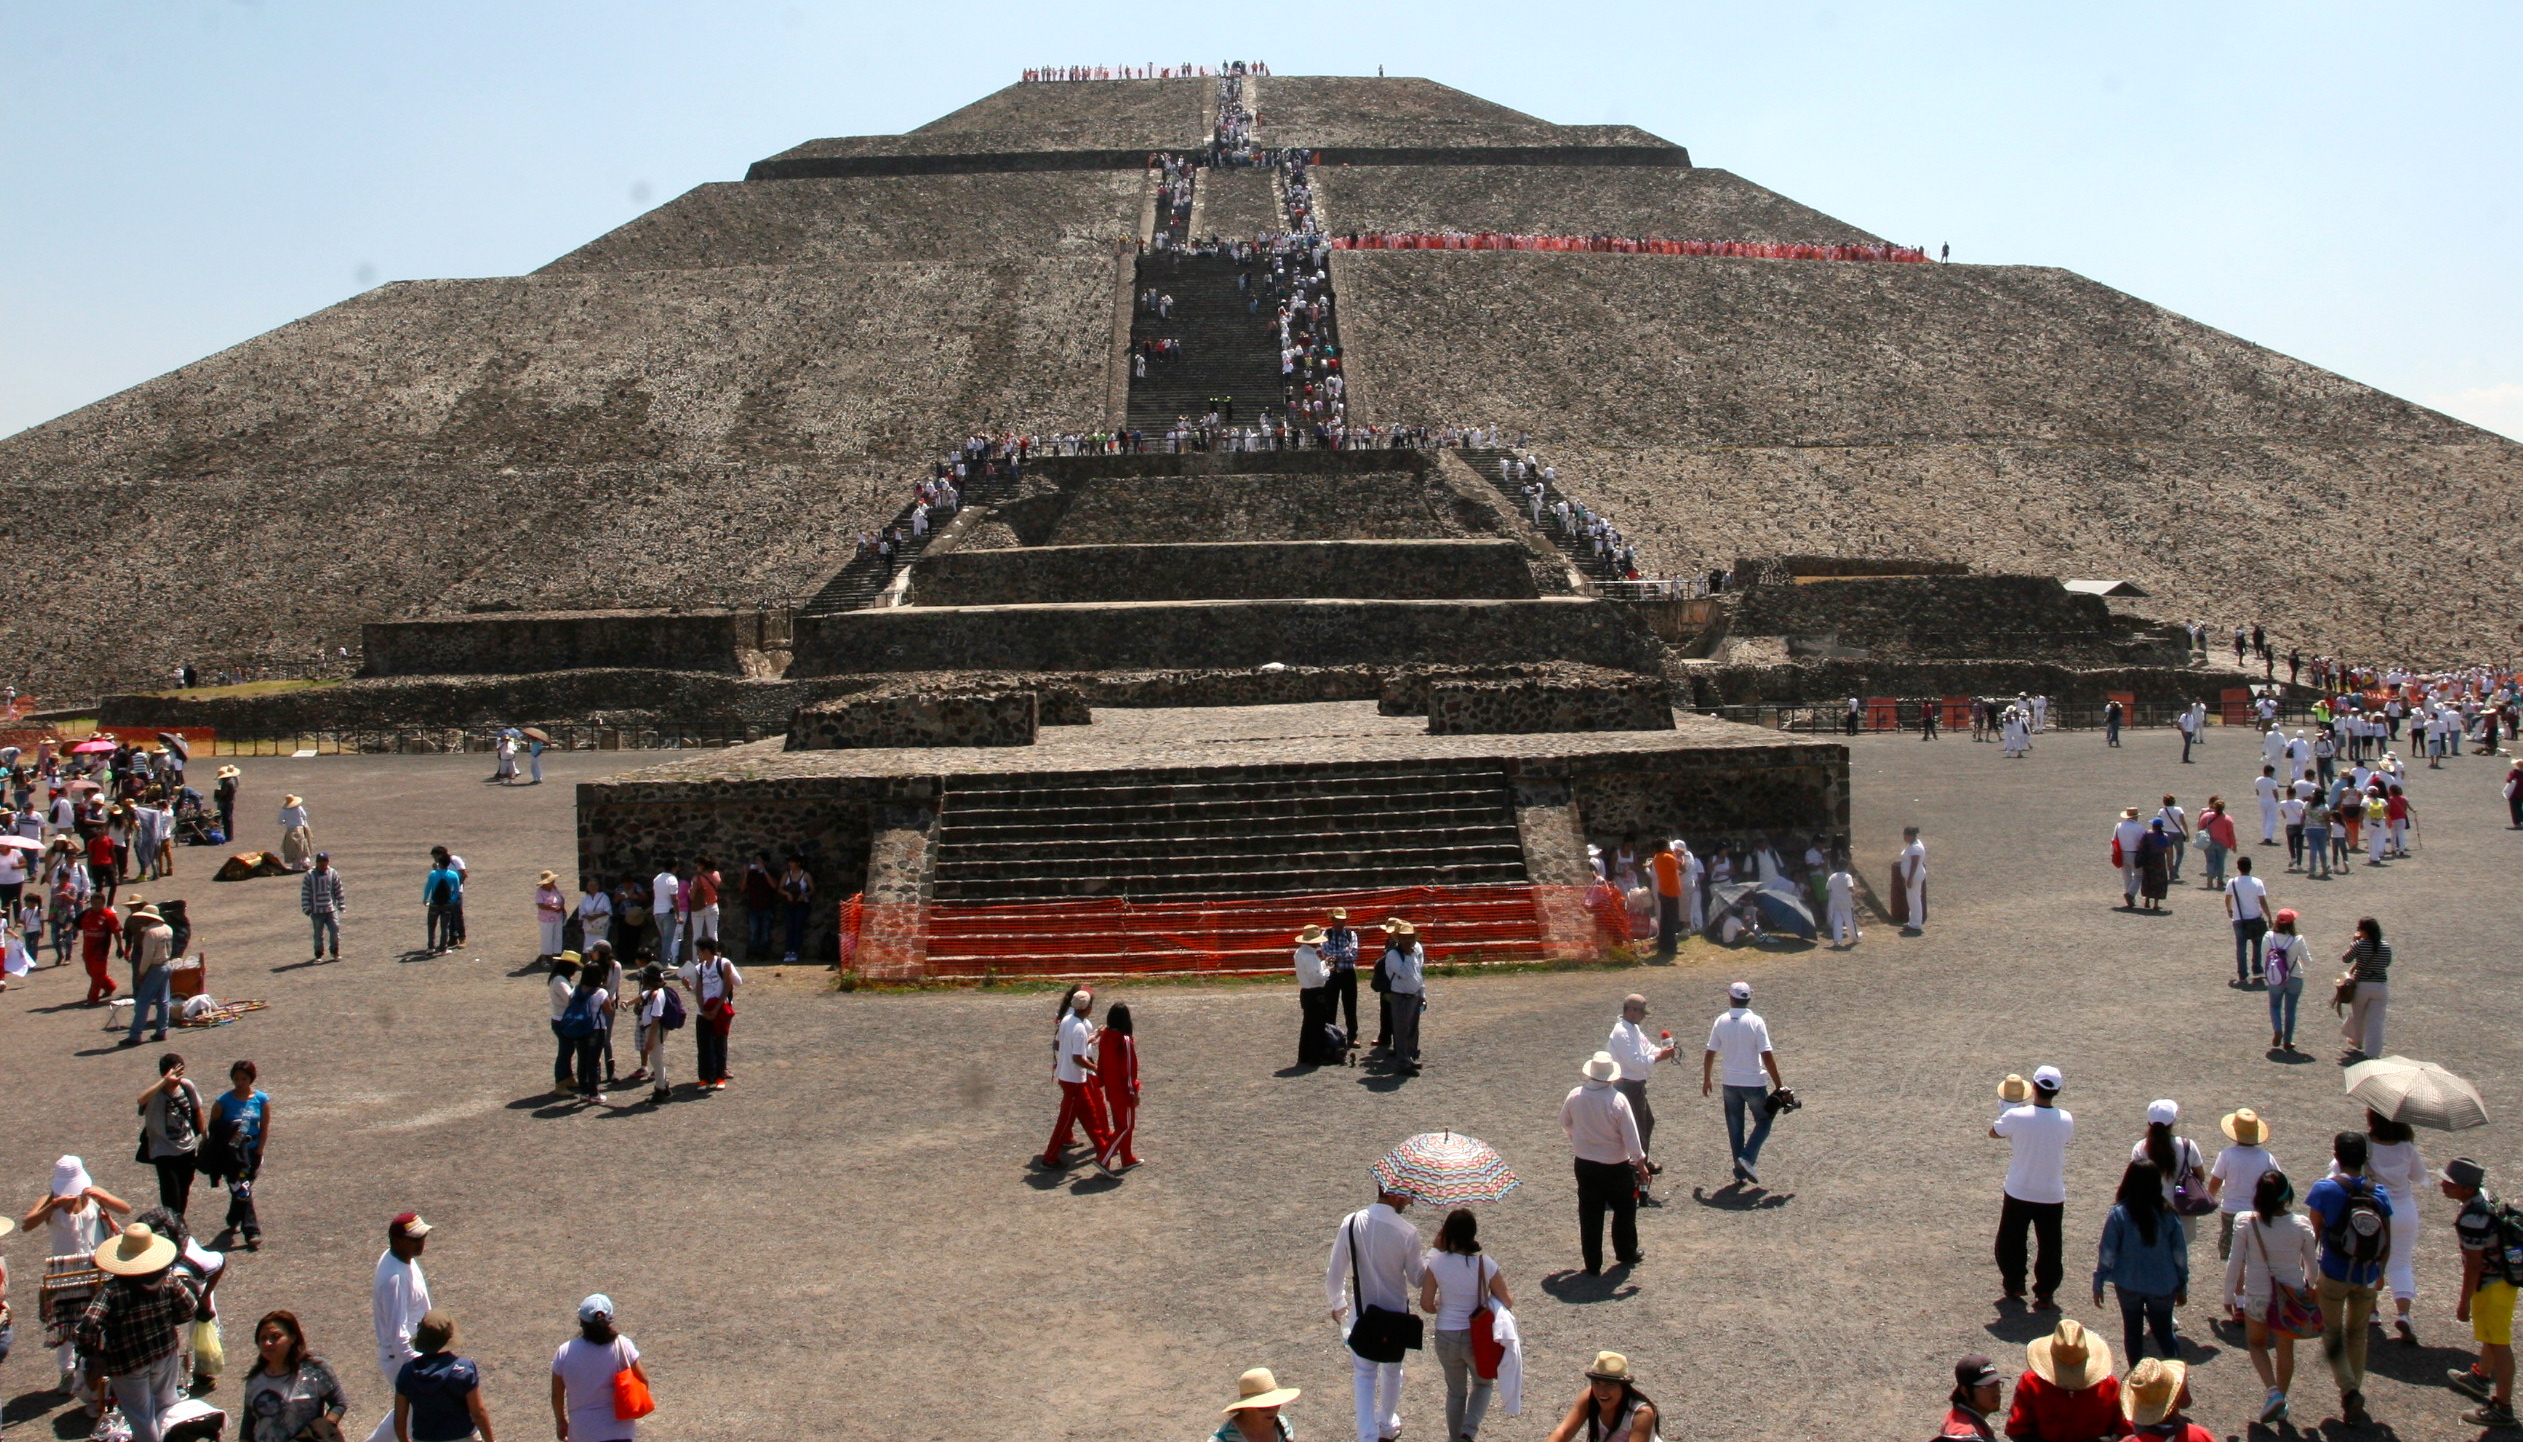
x=1443, y=1169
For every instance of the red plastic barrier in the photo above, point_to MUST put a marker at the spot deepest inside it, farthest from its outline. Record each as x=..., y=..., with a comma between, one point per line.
x=1458, y=925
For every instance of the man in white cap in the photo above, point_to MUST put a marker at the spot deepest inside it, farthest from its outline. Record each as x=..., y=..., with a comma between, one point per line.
x=1377, y=1262
x=1611, y=1163
x=398, y=1300
x=2036, y=1186
x=1741, y=1040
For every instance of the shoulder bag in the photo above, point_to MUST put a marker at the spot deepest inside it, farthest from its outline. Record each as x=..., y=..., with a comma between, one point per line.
x=1487, y=1350
x=2189, y=1200
x=2291, y=1310
x=631, y=1400
x=1379, y=1334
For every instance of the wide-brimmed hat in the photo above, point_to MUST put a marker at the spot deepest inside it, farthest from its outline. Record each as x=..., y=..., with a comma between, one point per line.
x=2151, y=1390
x=1399, y=927
x=293, y=801
x=2245, y=1126
x=2014, y=1089
x=545, y=879
x=1602, y=1067
x=1259, y=1388
x=1310, y=936
x=147, y=910
x=136, y=1252
x=1610, y=1367
x=2069, y=1357
x=226, y=772
x=1337, y=913
x=70, y=1177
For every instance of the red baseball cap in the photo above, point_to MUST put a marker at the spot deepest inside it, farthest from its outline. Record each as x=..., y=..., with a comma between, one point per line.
x=409, y=1224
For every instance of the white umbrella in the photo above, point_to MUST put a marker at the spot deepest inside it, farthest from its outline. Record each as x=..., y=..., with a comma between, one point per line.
x=19, y=843
x=2418, y=1093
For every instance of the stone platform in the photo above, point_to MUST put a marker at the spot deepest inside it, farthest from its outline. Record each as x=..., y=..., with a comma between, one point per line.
x=1234, y=804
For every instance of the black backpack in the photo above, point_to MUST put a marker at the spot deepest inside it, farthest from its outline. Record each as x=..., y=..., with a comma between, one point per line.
x=2362, y=1235
x=2505, y=1248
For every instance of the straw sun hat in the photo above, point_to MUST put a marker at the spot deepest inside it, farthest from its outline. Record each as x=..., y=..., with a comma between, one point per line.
x=2151, y=1390
x=136, y=1252
x=1258, y=1388
x=546, y=879
x=1310, y=936
x=2014, y=1089
x=2070, y=1358
x=2245, y=1126
x=1610, y=1367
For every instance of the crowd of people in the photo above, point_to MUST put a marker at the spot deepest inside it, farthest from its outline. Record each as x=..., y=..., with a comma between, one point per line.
x=1621, y=245
x=1057, y=73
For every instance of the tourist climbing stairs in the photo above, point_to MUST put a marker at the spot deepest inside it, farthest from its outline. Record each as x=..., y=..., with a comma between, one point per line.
x=1021, y=858
x=1578, y=549
x=1229, y=335
x=856, y=586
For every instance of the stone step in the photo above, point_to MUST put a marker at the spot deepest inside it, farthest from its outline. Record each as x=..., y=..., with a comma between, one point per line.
x=1154, y=886
x=1579, y=552
x=1186, y=803
x=1142, y=825
x=1101, y=858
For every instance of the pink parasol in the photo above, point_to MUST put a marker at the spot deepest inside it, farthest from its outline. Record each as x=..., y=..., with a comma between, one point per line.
x=94, y=745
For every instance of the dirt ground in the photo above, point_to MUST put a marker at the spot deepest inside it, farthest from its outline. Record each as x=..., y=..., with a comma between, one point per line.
x=848, y=1241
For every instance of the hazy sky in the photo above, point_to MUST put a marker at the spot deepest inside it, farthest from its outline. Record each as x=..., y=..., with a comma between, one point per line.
x=2337, y=182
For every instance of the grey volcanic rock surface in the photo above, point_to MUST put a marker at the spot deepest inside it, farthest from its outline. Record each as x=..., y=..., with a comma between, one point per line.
x=1335, y=110
x=1572, y=200
x=863, y=218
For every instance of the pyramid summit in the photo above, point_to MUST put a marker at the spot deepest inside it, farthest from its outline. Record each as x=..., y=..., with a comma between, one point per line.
x=707, y=405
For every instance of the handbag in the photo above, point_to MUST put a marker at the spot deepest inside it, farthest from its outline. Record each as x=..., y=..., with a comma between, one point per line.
x=2189, y=1201
x=1487, y=1350
x=319, y=1428
x=1379, y=1334
x=631, y=1399
x=2345, y=993
x=2291, y=1310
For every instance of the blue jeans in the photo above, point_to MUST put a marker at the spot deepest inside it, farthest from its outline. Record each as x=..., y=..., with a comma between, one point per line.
x=152, y=989
x=2247, y=934
x=2317, y=850
x=2172, y=862
x=441, y=921
x=666, y=930
x=326, y=924
x=2216, y=862
x=2138, y=1312
x=758, y=923
x=1747, y=1150
x=797, y=914
x=2282, y=1000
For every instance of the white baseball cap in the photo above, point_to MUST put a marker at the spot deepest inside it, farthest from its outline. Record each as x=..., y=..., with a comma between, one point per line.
x=2163, y=1112
x=1740, y=991
x=2048, y=1078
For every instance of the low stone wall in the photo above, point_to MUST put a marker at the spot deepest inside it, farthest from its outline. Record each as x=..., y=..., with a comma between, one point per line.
x=1405, y=691
x=1965, y=617
x=604, y=697
x=516, y=642
x=1209, y=635
x=952, y=718
x=1252, y=570
x=1463, y=708
x=1394, y=504
x=1820, y=683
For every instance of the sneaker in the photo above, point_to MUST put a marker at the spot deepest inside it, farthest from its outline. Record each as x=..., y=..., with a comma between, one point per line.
x=2352, y=1409
x=1744, y=1170
x=2489, y=1414
x=2273, y=1406
x=2408, y=1334
x=2468, y=1382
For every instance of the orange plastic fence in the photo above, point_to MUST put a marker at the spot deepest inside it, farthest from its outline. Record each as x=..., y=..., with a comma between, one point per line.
x=1458, y=925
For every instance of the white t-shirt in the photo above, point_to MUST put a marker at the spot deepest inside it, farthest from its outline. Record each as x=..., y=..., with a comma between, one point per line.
x=2129, y=833
x=1739, y=1036
x=2268, y=787
x=1077, y=1039
x=662, y=891
x=2291, y=810
x=1461, y=1283
x=2247, y=893
x=2040, y=1136
x=1842, y=891
x=2237, y=1172
x=586, y=1371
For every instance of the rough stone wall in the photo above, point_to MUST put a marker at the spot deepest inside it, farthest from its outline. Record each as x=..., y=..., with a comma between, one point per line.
x=1831, y=683
x=693, y=699
x=2023, y=419
x=513, y=643
x=1405, y=690
x=1356, y=110
x=950, y=718
x=1395, y=570
x=1221, y=634
x=1156, y=113
x=1463, y=708
x=2014, y=617
x=548, y=443
x=1374, y=506
x=874, y=218
x=1800, y=792
x=1572, y=200
x=627, y=827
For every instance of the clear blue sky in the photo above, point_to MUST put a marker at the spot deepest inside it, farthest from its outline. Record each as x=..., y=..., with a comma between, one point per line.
x=2339, y=182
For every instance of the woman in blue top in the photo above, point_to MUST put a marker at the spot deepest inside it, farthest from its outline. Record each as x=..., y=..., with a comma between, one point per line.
x=2145, y=1255
x=438, y=1395
x=240, y=1127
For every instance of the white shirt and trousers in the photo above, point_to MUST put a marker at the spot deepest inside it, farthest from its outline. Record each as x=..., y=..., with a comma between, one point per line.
x=1635, y=1050
x=399, y=1300
x=1740, y=1038
x=1387, y=1273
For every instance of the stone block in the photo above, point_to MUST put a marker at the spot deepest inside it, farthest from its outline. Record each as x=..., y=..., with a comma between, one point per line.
x=1464, y=708
x=519, y=642
x=950, y=718
x=1255, y=570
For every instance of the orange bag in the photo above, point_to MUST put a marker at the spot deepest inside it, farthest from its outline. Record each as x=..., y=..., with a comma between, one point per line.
x=631, y=1400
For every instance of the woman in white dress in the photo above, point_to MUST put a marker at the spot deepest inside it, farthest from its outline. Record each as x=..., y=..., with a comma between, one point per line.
x=81, y=1216
x=297, y=837
x=2392, y=1160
